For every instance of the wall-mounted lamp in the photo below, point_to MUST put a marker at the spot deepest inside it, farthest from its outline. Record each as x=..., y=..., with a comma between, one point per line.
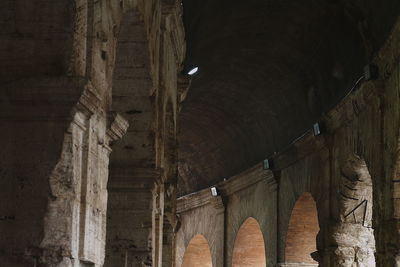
x=317, y=129
x=267, y=164
x=214, y=191
x=371, y=72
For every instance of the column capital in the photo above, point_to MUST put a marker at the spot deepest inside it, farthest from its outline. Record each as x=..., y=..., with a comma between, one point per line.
x=116, y=126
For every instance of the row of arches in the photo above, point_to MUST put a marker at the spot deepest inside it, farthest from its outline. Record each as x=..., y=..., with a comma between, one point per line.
x=249, y=247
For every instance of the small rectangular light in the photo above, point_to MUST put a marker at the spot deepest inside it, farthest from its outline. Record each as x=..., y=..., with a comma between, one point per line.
x=267, y=164
x=317, y=129
x=214, y=191
x=371, y=72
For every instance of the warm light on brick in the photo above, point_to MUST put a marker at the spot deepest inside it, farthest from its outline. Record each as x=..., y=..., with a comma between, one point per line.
x=302, y=231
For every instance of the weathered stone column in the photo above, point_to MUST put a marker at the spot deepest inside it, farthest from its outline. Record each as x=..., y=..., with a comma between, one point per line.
x=156, y=233
x=61, y=212
x=75, y=223
x=164, y=225
x=168, y=97
x=353, y=234
x=396, y=210
x=129, y=214
x=162, y=230
x=388, y=222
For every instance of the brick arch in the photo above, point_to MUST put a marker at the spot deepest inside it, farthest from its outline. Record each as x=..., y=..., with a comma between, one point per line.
x=302, y=231
x=197, y=253
x=249, y=247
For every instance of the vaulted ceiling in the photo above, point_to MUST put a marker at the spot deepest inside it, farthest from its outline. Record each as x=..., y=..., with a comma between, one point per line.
x=267, y=71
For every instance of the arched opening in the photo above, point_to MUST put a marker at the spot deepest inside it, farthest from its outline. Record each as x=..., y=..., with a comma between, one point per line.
x=249, y=248
x=302, y=231
x=197, y=253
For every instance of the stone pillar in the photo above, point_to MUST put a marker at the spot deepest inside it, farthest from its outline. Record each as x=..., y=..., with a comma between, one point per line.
x=61, y=198
x=167, y=97
x=396, y=212
x=171, y=223
x=75, y=221
x=157, y=224
x=164, y=225
x=353, y=235
x=129, y=240
x=166, y=147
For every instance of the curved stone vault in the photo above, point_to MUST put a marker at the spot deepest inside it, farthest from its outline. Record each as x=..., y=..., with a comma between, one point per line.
x=267, y=71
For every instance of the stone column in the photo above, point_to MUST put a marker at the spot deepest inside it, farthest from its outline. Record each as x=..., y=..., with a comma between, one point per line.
x=164, y=225
x=167, y=97
x=353, y=235
x=129, y=235
x=75, y=221
x=396, y=211
x=157, y=224
x=60, y=198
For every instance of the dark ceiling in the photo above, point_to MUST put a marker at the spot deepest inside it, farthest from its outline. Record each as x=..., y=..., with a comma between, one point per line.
x=267, y=71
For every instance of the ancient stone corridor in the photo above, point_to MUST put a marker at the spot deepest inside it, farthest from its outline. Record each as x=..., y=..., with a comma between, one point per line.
x=200, y=133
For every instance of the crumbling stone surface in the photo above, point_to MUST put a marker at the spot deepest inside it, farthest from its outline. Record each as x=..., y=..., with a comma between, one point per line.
x=356, y=192
x=353, y=234
x=356, y=245
x=60, y=120
x=150, y=50
x=72, y=69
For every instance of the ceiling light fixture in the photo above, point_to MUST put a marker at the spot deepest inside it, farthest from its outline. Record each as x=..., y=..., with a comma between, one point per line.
x=193, y=71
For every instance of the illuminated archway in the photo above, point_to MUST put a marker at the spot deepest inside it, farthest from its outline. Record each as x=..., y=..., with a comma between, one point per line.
x=197, y=253
x=249, y=248
x=302, y=231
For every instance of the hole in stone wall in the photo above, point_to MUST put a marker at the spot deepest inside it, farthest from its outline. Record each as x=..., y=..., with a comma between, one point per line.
x=302, y=231
x=103, y=55
x=197, y=253
x=133, y=111
x=249, y=248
